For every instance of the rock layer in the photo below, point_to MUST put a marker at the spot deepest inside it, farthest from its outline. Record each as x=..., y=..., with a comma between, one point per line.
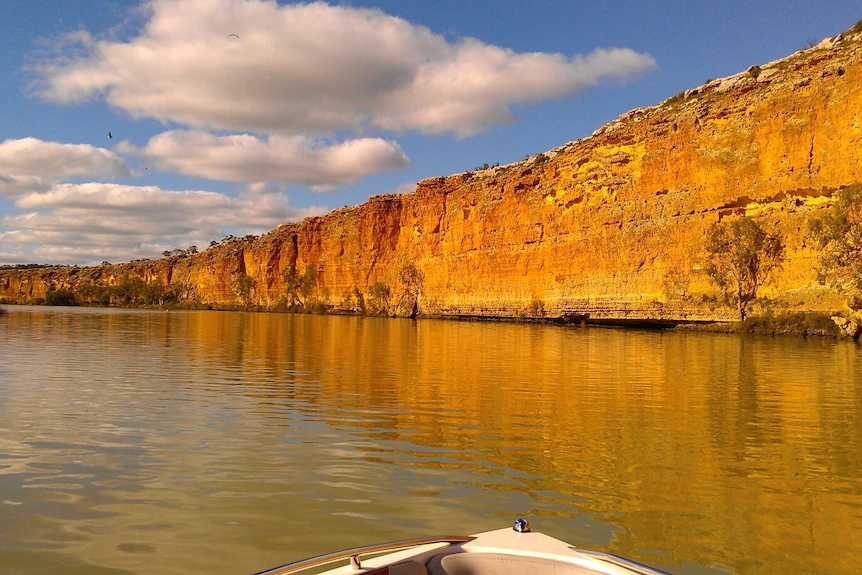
x=609, y=227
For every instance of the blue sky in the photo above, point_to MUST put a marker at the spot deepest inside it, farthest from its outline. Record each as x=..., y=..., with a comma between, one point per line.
x=313, y=107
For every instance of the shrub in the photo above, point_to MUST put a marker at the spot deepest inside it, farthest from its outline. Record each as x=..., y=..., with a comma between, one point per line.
x=536, y=308
x=675, y=284
x=316, y=306
x=839, y=234
x=412, y=278
x=360, y=300
x=292, y=282
x=60, y=297
x=309, y=282
x=378, y=299
x=243, y=286
x=800, y=324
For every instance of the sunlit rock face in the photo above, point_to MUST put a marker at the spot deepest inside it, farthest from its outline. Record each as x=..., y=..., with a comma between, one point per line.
x=608, y=227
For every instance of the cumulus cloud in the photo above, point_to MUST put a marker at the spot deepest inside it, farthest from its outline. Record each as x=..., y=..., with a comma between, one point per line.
x=314, y=68
x=29, y=164
x=12, y=185
x=404, y=188
x=87, y=223
x=65, y=222
x=280, y=159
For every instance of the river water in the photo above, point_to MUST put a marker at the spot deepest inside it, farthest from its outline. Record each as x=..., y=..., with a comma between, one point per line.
x=207, y=442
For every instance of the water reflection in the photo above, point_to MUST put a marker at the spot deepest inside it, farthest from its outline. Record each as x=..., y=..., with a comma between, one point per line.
x=195, y=442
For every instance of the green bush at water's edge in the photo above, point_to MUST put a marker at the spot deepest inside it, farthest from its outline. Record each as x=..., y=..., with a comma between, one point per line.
x=60, y=297
x=803, y=324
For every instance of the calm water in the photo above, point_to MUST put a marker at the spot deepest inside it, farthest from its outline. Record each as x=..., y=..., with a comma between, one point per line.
x=204, y=442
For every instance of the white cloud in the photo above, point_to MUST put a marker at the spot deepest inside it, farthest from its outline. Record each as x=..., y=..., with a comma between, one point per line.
x=404, y=188
x=11, y=185
x=88, y=223
x=279, y=159
x=314, y=68
x=31, y=165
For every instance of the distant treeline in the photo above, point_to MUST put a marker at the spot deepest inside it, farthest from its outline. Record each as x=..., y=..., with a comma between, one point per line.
x=129, y=292
x=30, y=266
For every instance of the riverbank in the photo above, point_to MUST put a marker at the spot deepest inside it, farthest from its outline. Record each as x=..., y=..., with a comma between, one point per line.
x=800, y=324
x=796, y=324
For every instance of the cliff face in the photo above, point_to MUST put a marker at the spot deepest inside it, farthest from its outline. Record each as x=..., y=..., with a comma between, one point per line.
x=610, y=226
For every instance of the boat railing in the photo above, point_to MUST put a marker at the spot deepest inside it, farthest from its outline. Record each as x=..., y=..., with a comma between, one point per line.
x=354, y=554
x=632, y=566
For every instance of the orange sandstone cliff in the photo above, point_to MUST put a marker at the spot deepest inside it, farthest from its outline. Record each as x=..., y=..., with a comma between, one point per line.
x=609, y=227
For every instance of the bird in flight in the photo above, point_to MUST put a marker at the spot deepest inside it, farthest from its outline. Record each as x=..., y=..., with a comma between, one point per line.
x=110, y=137
x=234, y=35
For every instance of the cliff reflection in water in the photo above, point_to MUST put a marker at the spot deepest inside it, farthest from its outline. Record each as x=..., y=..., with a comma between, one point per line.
x=686, y=450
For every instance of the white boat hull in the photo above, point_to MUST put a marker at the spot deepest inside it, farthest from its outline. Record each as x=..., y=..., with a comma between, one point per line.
x=500, y=552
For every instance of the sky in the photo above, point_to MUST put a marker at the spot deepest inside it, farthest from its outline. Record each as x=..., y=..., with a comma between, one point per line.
x=231, y=117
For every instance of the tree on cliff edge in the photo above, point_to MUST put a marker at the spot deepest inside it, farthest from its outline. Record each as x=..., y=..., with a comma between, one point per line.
x=741, y=256
x=839, y=235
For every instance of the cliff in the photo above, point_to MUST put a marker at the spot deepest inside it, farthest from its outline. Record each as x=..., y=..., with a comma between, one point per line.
x=609, y=227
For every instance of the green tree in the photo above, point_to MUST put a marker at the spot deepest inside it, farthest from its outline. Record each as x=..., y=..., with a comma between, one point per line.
x=741, y=257
x=299, y=288
x=360, y=300
x=309, y=283
x=378, y=299
x=412, y=279
x=177, y=291
x=243, y=286
x=839, y=234
x=60, y=297
x=292, y=283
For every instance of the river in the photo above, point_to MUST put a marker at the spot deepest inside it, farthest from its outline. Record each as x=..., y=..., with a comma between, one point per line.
x=207, y=442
